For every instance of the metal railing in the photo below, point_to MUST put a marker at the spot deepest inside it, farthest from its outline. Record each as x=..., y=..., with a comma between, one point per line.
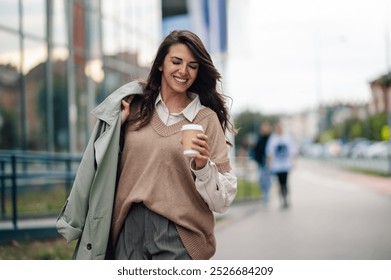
x=20, y=171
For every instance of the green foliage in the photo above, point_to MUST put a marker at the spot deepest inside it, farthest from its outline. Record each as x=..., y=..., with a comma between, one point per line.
x=38, y=202
x=385, y=80
x=327, y=135
x=248, y=123
x=50, y=249
x=352, y=128
x=376, y=124
x=356, y=129
x=247, y=191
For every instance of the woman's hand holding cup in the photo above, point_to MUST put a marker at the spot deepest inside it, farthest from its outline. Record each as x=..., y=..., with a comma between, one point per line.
x=195, y=144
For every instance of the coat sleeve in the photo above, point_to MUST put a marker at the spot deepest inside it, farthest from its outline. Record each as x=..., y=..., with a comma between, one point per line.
x=70, y=222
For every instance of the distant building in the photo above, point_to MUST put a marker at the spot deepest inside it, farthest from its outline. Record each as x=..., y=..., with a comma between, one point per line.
x=307, y=125
x=381, y=94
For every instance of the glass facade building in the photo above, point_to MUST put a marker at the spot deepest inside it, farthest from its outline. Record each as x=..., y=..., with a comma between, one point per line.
x=59, y=58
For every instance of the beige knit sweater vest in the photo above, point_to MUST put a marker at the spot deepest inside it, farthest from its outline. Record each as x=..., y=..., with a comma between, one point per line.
x=154, y=171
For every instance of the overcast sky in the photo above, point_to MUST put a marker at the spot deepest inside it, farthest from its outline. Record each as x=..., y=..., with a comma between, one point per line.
x=287, y=56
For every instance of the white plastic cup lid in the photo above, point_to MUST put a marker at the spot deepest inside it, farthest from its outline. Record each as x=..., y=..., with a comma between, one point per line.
x=192, y=127
x=190, y=153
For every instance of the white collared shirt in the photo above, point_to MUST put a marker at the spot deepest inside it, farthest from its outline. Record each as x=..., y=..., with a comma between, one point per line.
x=190, y=112
x=218, y=190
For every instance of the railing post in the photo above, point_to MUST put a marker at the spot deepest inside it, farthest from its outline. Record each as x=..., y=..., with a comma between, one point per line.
x=14, y=192
x=68, y=175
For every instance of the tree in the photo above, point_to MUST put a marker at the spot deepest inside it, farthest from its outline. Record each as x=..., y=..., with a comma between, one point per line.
x=248, y=123
x=370, y=128
x=377, y=122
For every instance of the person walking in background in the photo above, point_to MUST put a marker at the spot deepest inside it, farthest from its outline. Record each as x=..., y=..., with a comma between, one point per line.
x=158, y=204
x=259, y=153
x=281, y=152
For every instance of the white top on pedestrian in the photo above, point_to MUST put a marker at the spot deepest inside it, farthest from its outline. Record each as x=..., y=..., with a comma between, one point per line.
x=281, y=148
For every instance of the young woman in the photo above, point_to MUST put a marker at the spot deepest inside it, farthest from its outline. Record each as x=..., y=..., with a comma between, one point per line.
x=164, y=201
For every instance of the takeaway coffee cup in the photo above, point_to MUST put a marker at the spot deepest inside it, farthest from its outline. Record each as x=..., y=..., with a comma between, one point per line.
x=190, y=131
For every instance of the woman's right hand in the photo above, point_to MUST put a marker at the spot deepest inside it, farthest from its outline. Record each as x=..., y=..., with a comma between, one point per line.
x=125, y=111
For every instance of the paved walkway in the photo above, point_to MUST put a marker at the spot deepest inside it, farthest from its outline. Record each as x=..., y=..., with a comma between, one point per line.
x=334, y=215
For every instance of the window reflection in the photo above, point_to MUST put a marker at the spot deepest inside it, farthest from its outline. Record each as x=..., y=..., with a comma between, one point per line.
x=94, y=5
x=106, y=42
x=111, y=36
x=9, y=49
x=34, y=18
x=110, y=9
x=35, y=53
x=9, y=75
x=34, y=70
x=94, y=34
x=9, y=13
x=59, y=28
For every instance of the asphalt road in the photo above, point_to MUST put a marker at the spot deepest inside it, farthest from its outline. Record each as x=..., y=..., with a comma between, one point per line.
x=334, y=215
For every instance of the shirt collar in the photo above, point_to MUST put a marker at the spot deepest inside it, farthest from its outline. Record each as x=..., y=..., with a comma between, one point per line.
x=191, y=110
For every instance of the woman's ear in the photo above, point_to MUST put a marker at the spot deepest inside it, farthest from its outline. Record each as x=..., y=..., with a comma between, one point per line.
x=160, y=69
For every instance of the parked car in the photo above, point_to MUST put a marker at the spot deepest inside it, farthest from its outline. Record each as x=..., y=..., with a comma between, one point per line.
x=360, y=149
x=332, y=148
x=313, y=150
x=377, y=150
x=356, y=148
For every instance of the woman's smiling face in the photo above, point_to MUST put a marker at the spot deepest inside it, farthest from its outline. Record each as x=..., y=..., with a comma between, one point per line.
x=179, y=69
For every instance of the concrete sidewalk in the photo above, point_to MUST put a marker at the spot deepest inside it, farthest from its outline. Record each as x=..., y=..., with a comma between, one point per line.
x=334, y=215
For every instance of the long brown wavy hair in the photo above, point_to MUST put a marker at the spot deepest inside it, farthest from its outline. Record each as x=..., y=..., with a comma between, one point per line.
x=205, y=84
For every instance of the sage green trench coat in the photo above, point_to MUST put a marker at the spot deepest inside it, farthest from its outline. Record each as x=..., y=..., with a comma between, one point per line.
x=86, y=215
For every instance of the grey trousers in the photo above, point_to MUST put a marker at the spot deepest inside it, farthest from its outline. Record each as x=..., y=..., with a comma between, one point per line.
x=146, y=235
